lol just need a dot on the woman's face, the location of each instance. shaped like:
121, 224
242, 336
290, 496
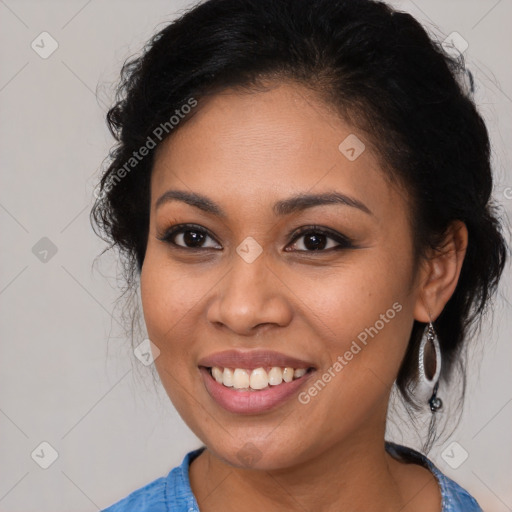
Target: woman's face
338, 298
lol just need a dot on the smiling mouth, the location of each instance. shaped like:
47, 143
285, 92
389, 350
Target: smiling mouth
258, 379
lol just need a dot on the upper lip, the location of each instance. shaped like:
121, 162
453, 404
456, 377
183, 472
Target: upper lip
252, 359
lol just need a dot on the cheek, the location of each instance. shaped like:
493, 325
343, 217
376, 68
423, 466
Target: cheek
362, 313
174, 297
167, 293
349, 297
166, 297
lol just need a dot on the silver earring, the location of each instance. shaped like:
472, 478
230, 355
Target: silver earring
428, 374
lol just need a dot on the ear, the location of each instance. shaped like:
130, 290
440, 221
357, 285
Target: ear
440, 273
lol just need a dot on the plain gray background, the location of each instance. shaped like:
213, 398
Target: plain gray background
111, 431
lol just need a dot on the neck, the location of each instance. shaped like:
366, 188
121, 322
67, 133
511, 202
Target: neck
356, 474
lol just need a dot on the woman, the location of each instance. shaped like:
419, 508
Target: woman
303, 189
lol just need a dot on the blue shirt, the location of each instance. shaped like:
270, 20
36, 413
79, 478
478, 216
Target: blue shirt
172, 493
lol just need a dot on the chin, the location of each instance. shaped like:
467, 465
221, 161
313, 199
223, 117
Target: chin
263, 455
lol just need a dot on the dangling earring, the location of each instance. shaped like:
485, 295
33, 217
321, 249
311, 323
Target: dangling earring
428, 374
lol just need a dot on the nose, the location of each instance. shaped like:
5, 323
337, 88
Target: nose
250, 297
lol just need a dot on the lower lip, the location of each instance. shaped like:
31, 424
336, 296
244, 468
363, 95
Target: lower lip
252, 402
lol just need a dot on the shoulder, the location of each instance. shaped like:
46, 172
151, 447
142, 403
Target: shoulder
149, 497
454, 497
171, 492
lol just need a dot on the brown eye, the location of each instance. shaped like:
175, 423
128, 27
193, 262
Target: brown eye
187, 236
320, 239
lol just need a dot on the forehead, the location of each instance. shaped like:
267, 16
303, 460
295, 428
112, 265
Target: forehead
268, 144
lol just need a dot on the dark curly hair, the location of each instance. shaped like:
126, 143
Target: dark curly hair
381, 71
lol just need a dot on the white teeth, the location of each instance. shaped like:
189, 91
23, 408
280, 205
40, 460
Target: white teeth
299, 372
259, 378
217, 374
240, 379
227, 378
275, 376
288, 374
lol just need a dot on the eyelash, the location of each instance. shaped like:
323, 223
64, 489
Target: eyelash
344, 241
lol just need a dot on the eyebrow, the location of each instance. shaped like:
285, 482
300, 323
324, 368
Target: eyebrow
287, 206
